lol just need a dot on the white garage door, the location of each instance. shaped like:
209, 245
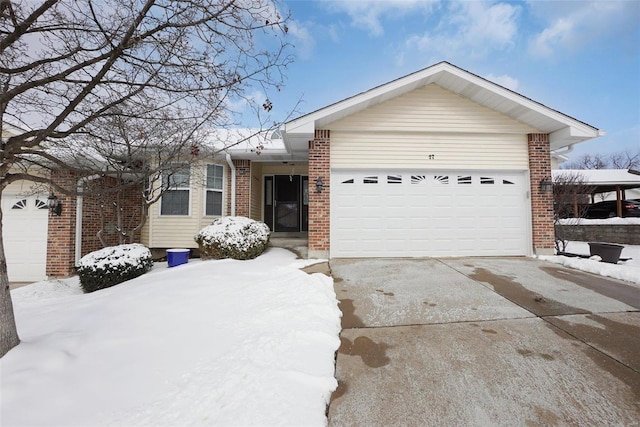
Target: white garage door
24, 233
417, 214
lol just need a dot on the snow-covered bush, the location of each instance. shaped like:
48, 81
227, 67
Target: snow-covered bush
110, 266
234, 237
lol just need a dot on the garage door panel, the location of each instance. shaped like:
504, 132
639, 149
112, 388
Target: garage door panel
25, 220
428, 214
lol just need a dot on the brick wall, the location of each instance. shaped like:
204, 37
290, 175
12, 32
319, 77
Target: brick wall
62, 229
626, 234
319, 208
130, 201
243, 187
541, 203
61, 239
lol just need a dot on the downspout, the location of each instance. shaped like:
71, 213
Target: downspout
79, 188
233, 184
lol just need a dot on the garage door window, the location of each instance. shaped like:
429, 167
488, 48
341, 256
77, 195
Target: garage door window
20, 204
486, 180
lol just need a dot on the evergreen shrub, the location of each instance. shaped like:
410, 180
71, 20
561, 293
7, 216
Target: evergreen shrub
234, 237
113, 265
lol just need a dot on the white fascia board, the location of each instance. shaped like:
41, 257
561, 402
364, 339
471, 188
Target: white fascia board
571, 135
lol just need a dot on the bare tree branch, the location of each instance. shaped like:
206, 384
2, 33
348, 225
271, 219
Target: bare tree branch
121, 92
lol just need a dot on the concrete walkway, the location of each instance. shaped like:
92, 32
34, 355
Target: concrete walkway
484, 341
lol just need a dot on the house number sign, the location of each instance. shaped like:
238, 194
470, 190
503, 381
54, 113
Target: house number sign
432, 156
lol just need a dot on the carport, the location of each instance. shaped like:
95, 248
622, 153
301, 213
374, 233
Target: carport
599, 181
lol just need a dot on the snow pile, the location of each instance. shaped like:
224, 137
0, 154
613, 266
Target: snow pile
131, 254
221, 342
234, 237
628, 271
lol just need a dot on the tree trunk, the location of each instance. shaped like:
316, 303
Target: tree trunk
8, 331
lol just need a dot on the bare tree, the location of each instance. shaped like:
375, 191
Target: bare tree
627, 159
571, 196
119, 89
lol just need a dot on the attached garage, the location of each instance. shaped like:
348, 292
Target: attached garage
391, 213
440, 162
24, 234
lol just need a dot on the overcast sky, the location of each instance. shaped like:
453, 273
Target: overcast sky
579, 57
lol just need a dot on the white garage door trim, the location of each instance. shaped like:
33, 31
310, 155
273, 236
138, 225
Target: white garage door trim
25, 224
389, 213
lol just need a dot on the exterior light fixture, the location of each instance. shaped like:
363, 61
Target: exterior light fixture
55, 205
319, 185
546, 185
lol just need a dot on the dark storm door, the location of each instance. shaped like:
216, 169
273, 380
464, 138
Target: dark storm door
286, 203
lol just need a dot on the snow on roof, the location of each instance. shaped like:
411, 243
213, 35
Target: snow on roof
601, 176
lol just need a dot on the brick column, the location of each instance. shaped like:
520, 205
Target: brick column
319, 208
243, 186
541, 203
61, 236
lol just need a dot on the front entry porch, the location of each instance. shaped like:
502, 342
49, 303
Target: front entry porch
286, 203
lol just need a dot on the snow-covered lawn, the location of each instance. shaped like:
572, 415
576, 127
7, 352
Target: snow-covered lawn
206, 343
628, 271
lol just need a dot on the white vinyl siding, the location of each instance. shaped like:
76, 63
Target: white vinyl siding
170, 231
429, 127
431, 109
437, 151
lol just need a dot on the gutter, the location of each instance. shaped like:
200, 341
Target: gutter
233, 184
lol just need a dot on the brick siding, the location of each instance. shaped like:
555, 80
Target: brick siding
131, 205
61, 239
61, 234
541, 203
319, 208
243, 187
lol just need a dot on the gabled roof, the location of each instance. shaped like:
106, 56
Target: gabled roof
563, 129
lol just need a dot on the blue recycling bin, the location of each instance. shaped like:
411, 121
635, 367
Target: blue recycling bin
177, 256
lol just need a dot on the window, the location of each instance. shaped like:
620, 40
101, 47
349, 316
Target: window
175, 200
214, 190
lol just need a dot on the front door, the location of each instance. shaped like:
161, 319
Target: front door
285, 203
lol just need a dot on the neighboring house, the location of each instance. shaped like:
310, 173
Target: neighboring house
440, 162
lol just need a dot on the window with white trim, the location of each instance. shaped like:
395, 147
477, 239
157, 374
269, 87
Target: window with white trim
213, 202
175, 200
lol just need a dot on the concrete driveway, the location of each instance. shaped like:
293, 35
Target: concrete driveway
484, 341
